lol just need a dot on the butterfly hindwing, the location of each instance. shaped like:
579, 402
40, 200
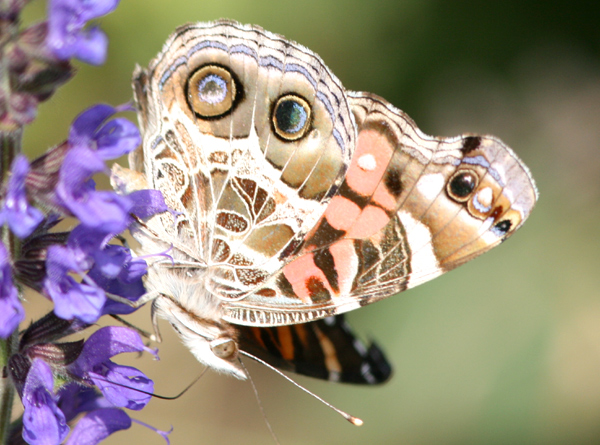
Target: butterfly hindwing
325, 349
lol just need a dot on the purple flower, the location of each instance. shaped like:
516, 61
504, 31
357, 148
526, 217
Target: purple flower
113, 139
96, 387
11, 310
43, 421
71, 298
103, 268
91, 144
118, 273
147, 203
123, 386
97, 425
66, 34
101, 418
16, 211
74, 399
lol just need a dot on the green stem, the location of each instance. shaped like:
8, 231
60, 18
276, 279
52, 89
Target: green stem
10, 146
7, 389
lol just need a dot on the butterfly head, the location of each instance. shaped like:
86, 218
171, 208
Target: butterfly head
214, 344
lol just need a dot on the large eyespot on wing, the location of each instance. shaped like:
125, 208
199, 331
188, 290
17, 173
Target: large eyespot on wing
211, 91
461, 185
291, 117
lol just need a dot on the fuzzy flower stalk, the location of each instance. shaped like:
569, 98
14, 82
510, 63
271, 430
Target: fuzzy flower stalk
71, 390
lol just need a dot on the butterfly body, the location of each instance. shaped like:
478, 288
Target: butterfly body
297, 200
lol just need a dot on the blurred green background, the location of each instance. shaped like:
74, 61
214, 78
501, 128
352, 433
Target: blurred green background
505, 349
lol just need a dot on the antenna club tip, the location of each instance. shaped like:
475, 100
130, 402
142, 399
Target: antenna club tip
355, 421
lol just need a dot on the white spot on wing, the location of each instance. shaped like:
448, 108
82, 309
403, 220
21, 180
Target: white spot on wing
423, 262
482, 200
367, 162
431, 185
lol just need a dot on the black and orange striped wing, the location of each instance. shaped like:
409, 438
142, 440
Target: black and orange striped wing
325, 349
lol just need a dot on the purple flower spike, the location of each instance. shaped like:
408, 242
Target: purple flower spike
97, 425
71, 299
43, 422
20, 216
11, 310
123, 386
66, 34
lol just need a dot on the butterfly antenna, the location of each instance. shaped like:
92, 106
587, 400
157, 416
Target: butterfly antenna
260, 406
352, 419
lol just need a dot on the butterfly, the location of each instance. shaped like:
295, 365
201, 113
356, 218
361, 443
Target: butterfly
296, 201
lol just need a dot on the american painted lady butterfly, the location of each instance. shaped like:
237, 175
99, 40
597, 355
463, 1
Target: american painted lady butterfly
297, 201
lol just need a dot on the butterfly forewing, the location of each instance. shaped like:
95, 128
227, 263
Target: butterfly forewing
411, 207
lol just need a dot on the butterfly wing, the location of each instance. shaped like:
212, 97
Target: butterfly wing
298, 200
245, 190
325, 349
411, 207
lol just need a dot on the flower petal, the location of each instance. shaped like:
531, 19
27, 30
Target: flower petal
76, 300
102, 210
43, 422
91, 46
97, 425
71, 299
73, 399
87, 123
84, 242
117, 138
147, 203
105, 343
20, 216
92, 9
118, 273
11, 309
123, 386
66, 34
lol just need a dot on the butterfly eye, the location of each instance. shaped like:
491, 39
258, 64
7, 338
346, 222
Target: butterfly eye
291, 117
225, 348
461, 185
211, 91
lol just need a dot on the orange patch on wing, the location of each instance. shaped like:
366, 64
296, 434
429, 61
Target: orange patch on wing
371, 220
301, 331
376, 147
301, 273
346, 264
286, 345
384, 198
341, 213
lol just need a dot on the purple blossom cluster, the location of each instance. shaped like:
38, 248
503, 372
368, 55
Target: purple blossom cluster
95, 388
72, 392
